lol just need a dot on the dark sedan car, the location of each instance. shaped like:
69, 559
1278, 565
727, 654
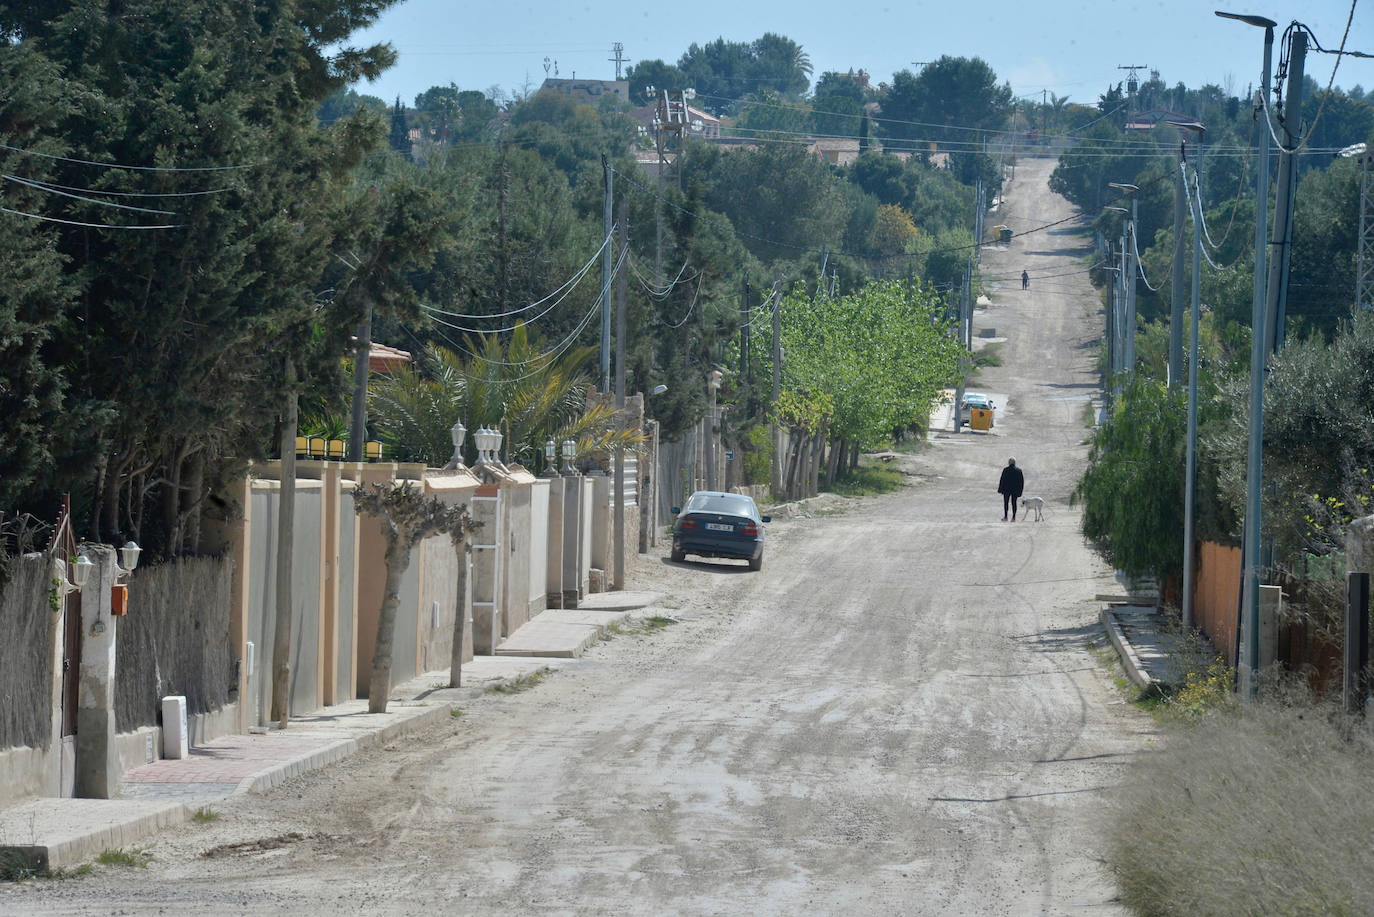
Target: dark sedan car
714, 524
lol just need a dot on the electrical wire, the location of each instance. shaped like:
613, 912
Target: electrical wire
109, 193
35, 216
547, 356
1334, 67
90, 200
567, 285
868, 255
116, 165
690, 306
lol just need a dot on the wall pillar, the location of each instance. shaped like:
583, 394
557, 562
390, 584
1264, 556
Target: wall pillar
98, 771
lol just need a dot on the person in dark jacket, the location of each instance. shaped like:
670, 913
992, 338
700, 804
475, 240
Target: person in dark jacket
1010, 487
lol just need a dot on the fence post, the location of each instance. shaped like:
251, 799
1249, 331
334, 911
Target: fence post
1356, 641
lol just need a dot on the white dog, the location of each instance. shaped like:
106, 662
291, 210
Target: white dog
1034, 503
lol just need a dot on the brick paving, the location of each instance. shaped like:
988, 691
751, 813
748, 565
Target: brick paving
225, 760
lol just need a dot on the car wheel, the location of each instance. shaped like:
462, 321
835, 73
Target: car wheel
756, 563
677, 555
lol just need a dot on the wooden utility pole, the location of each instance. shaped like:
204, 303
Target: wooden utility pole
618, 570
777, 383
286, 527
606, 229
1277, 289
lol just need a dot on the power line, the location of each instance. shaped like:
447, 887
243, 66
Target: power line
80, 197
35, 216
116, 165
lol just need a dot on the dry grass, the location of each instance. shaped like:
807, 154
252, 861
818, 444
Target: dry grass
1263, 809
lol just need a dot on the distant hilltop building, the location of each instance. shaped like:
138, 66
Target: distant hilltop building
589, 92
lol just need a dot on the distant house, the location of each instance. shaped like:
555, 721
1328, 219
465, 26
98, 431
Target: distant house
589, 92
838, 151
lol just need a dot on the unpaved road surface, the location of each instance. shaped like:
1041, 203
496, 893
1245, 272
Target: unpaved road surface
897, 715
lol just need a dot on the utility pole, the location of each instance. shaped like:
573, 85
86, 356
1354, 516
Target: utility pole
744, 337
606, 230
1254, 454
618, 571
1176, 287
1291, 121
777, 381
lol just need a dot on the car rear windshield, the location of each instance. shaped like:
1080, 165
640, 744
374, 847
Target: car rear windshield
733, 504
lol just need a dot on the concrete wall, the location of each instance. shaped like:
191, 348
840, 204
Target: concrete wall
519, 510
539, 546
307, 637
600, 553
439, 602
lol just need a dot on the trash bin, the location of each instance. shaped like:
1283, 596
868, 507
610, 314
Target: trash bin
980, 419
1004, 233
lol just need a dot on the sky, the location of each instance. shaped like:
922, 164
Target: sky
1069, 47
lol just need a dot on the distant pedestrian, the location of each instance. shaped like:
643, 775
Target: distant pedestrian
1010, 487
1025, 281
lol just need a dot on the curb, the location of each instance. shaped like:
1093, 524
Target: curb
1135, 671
337, 751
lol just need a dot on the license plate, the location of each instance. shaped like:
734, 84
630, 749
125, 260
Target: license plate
720, 527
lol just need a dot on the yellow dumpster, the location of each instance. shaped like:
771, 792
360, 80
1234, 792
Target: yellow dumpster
980, 419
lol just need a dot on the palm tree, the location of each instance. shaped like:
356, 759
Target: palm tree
528, 394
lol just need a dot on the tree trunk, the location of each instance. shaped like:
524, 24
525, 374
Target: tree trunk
460, 620
358, 430
286, 527
195, 502
397, 559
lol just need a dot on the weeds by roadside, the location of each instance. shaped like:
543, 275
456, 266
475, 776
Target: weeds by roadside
869, 480
205, 815
1243, 809
135, 857
988, 355
632, 626
517, 685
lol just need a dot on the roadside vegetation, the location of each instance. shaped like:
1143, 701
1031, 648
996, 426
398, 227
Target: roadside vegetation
1239, 808
1248, 810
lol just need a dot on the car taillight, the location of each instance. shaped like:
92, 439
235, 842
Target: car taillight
688, 523
749, 528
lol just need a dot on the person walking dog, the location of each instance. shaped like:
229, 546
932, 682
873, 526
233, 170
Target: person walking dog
1010, 487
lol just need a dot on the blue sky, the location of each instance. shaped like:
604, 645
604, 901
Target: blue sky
1069, 47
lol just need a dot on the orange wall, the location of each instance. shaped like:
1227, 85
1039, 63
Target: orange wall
1215, 596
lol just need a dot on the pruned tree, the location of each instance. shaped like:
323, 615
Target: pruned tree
407, 517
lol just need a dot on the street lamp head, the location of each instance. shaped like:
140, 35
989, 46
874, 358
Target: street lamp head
1123, 186
1192, 127
658, 389
1355, 149
1117, 209
1258, 22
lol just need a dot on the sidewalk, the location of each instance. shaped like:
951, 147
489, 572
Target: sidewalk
51, 834
1149, 649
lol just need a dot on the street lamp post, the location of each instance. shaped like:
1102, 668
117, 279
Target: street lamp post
1253, 453
1190, 478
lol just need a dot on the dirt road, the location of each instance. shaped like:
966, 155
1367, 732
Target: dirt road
897, 715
